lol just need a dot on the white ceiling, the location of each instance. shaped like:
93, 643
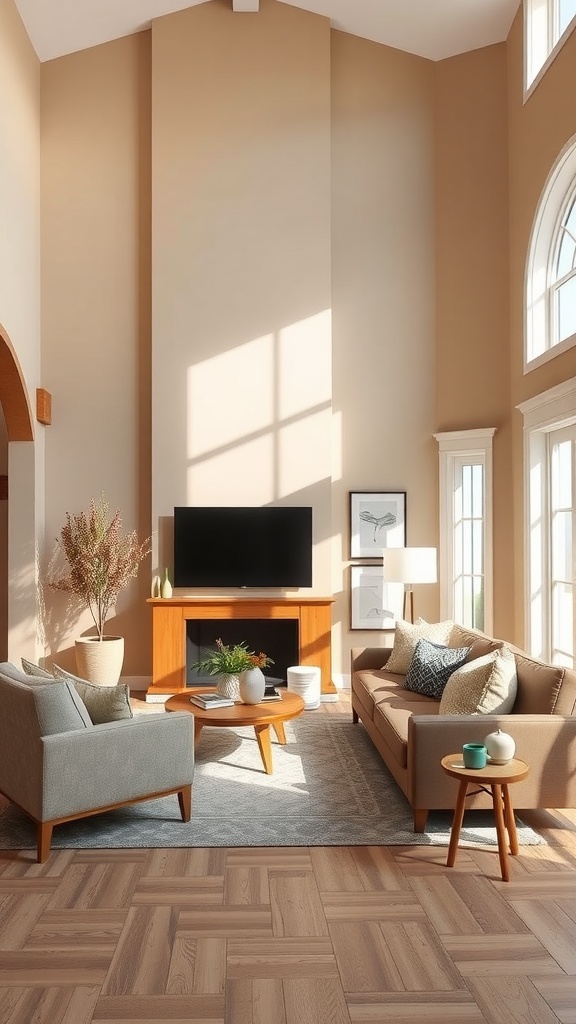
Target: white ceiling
429, 28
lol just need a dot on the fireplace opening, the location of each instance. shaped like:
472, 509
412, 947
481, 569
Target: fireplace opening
278, 638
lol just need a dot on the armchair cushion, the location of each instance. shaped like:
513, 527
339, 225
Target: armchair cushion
104, 703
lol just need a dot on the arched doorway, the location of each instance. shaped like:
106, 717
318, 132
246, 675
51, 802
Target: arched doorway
16, 425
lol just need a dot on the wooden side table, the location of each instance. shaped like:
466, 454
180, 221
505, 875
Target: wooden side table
496, 778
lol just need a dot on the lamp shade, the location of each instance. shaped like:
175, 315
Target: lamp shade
409, 565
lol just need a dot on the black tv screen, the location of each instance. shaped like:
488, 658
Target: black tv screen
269, 546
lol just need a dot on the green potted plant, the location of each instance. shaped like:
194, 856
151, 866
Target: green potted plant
100, 562
228, 662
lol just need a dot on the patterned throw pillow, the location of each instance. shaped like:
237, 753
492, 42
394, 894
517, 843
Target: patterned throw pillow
407, 635
431, 667
104, 703
484, 686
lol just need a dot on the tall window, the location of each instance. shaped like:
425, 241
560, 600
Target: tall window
550, 456
546, 25
466, 526
551, 266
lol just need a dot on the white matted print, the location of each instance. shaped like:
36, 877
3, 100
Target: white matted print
374, 604
377, 520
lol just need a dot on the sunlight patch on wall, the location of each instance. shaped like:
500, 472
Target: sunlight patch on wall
303, 450
230, 396
240, 475
305, 365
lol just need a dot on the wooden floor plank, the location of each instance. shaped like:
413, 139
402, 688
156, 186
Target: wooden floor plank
296, 905
554, 929
500, 955
560, 996
512, 999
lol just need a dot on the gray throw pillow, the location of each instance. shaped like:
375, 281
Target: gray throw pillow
431, 667
104, 703
35, 670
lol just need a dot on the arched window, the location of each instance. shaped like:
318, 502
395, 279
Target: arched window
547, 24
551, 266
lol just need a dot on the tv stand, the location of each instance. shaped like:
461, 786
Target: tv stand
169, 617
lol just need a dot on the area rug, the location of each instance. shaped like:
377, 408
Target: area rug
329, 788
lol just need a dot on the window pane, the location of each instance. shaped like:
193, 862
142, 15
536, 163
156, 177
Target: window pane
566, 309
566, 254
477, 490
562, 546
566, 11
466, 490
561, 476
477, 547
467, 546
478, 611
563, 624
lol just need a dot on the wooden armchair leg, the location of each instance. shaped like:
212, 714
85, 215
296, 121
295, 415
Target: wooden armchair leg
44, 837
354, 717
420, 819
185, 801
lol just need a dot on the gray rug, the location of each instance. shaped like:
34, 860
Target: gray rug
329, 788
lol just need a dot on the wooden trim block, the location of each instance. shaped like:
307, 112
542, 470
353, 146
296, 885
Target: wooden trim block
43, 406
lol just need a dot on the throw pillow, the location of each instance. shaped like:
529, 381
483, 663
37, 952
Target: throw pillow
34, 670
104, 703
407, 635
484, 686
431, 667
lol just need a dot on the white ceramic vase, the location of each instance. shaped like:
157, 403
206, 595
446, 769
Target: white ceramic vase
228, 686
100, 661
252, 685
166, 588
500, 747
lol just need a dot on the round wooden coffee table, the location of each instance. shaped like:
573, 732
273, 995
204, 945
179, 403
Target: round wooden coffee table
496, 778
261, 716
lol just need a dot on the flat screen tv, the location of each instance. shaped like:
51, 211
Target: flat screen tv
269, 546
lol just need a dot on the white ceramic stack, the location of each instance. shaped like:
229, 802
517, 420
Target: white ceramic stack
305, 680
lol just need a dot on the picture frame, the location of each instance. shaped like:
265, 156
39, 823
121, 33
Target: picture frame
374, 604
377, 520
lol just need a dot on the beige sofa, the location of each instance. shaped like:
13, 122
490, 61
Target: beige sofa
412, 737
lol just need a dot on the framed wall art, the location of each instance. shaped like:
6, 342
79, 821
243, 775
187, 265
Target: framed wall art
374, 604
377, 520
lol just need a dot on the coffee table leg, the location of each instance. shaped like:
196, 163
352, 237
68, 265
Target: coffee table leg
510, 821
279, 730
500, 830
457, 823
197, 730
263, 737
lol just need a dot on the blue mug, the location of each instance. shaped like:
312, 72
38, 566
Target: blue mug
474, 755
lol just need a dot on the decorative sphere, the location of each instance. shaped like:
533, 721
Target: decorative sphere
500, 746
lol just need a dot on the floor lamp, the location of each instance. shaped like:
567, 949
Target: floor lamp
409, 566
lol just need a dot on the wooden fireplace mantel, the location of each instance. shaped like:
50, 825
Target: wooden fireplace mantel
169, 617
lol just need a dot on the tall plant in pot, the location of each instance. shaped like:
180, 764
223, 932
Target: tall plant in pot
100, 562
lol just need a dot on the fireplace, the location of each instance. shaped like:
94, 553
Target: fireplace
278, 638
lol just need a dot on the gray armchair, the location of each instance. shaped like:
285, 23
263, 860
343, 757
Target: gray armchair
57, 766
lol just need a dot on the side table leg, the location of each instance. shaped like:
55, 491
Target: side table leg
500, 830
279, 730
510, 821
457, 823
263, 737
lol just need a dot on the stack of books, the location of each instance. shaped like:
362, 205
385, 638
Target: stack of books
211, 699
271, 693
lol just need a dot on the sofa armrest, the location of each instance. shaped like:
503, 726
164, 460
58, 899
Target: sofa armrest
115, 762
365, 658
546, 742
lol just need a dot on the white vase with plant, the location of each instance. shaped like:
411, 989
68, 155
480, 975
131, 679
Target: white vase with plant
227, 662
253, 680
100, 562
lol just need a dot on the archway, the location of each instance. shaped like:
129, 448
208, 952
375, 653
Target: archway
17, 600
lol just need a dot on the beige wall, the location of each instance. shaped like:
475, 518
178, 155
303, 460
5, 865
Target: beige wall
538, 131
96, 309
383, 300
473, 374
20, 313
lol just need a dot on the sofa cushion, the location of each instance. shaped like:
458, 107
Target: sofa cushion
407, 635
391, 721
484, 686
31, 669
543, 689
104, 703
431, 666
478, 643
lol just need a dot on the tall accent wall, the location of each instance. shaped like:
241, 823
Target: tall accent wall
472, 326
241, 372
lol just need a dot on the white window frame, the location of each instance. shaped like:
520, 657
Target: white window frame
542, 39
539, 319
547, 412
470, 447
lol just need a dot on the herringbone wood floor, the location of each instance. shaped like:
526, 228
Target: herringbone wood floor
291, 936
